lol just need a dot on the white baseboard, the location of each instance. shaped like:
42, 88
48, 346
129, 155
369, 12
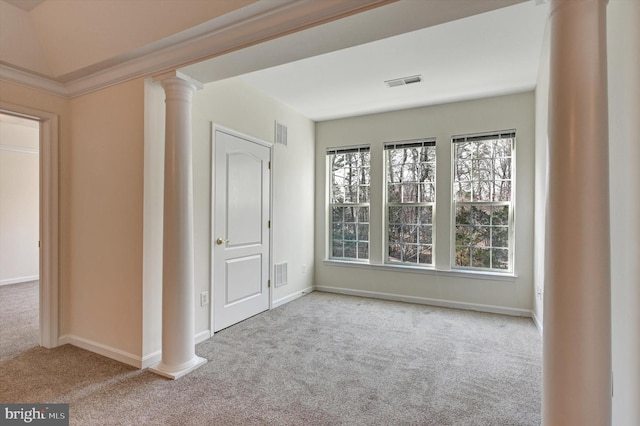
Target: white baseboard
19, 280
291, 297
427, 301
120, 355
100, 349
151, 359
202, 336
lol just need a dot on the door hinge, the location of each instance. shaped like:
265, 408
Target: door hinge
39, 244
269, 165
269, 224
269, 283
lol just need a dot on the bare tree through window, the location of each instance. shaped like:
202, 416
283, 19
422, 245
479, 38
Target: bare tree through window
349, 202
483, 200
411, 178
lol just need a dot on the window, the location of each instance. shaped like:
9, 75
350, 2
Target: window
349, 202
483, 201
411, 193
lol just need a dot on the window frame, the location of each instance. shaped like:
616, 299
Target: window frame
386, 204
330, 152
477, 137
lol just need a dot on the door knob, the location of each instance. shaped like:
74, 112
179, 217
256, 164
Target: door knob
221, 241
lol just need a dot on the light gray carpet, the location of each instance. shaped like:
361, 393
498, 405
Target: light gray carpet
19, 329
323, 359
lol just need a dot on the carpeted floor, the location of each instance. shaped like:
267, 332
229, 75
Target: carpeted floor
322, 359
19, 329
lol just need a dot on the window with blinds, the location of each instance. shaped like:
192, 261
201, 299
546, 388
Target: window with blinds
483, 186
410, 201
349, 175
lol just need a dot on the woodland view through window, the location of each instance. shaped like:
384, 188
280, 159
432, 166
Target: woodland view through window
349, 202
411, 196
481, 195
483, 201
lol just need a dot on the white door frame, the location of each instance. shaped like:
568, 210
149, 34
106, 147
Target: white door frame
218, 128
49, 296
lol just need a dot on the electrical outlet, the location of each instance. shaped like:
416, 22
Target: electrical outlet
304, 269
204, 298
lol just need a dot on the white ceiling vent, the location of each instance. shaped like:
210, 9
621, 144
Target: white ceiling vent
281, 133
404, 81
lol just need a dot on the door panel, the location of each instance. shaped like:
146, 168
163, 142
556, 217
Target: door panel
244, 190
243, 279
240, 229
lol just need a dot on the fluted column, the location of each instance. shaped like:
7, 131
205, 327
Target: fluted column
178, 322
577, 310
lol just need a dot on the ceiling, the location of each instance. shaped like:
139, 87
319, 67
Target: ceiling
488, 54
26, 5
325, 58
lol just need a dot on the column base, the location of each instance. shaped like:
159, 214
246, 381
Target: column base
176, 373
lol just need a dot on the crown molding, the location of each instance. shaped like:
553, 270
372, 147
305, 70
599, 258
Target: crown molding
24, 78
256, 23
20, 149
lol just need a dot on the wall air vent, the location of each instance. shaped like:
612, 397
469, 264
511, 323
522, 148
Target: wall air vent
280, 272
281, 133
403, 81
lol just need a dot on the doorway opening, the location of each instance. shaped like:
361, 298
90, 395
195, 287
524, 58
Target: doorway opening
19, 233
47, 217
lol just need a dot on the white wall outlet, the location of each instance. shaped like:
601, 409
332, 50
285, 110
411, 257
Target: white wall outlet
204, 298
304, 268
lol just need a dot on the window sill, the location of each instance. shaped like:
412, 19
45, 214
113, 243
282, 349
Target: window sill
460, 273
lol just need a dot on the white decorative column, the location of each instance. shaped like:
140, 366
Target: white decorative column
178, 322
577, 310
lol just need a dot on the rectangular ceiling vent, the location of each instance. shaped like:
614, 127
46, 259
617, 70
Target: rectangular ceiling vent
281, 133
403, 81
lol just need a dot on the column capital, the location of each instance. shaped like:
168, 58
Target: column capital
175, 74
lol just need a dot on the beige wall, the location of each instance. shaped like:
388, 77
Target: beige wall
105, 271
513, 295
19, 203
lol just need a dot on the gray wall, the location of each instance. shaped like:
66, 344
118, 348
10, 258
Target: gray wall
483, 291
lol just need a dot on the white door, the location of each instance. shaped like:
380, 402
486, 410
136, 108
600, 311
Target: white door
240, 235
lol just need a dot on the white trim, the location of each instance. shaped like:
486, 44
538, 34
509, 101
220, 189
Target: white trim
292, 297
120, 355
151, 359
244, 27
49, 256
427, 301
458, 273
214, 128
18, 280
177, 74
537, 322
100, 349
154, 128
203, 335
20, 149
23, 78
